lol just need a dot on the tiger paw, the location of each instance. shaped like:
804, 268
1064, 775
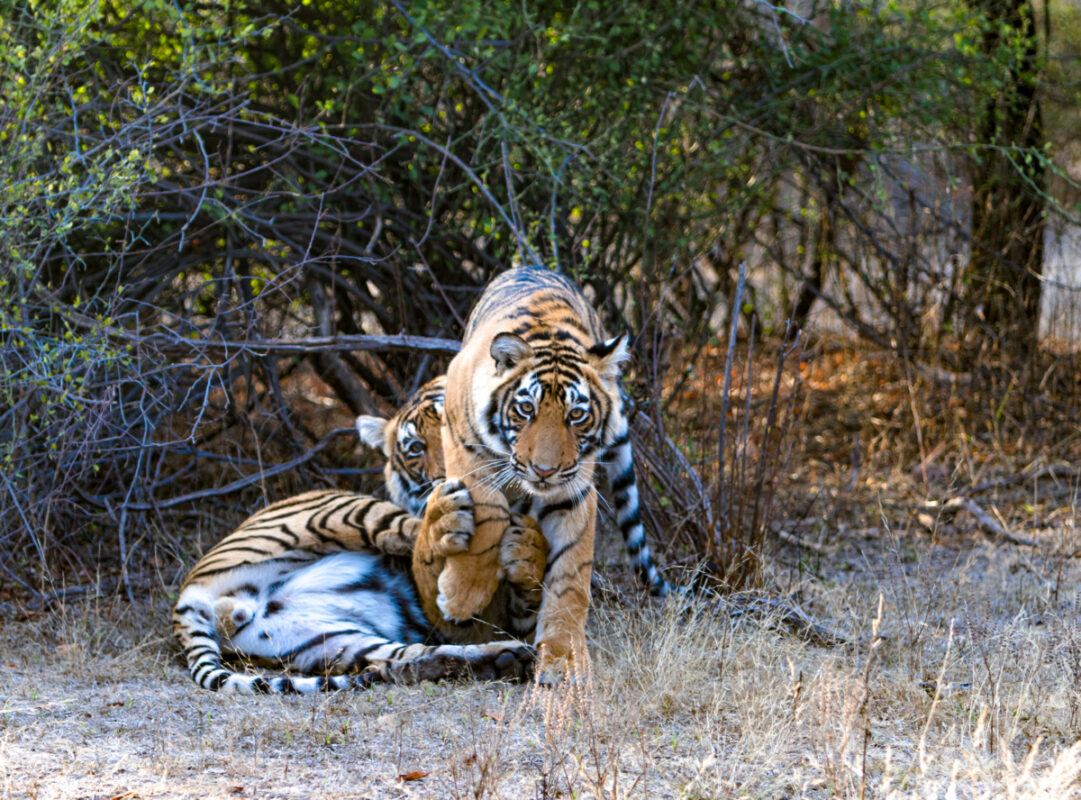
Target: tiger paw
449, 518
567, 667
230, 614
523, 553
514, 662
465, 590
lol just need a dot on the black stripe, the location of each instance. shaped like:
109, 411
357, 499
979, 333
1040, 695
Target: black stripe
625, 480
246, 588
384, 522
558, 554
316, 641
371, 582
563, 505
361, 656
619, 441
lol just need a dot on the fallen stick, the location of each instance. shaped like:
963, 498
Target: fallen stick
928, 513
792, 617
1045, 470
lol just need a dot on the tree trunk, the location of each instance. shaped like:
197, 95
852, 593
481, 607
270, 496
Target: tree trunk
1000, 305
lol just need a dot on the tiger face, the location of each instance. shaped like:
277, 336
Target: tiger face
551, 409
411, 441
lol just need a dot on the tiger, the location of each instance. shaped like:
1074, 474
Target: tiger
411, 442
321, 583
532, 405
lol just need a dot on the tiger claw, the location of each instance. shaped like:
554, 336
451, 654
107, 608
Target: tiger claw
523, 553
449, 514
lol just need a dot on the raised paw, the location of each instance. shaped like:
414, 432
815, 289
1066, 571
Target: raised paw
449, 518
464, 592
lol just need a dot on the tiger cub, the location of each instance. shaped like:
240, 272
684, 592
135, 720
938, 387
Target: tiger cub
532, 406
321, 583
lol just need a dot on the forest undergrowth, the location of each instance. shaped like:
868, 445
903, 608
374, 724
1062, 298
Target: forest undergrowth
944, 565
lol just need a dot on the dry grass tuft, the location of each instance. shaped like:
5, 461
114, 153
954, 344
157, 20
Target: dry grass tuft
968, 691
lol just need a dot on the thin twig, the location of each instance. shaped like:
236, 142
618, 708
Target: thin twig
235, 485
721, 508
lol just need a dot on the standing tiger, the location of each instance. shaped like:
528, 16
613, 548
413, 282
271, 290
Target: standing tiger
532, 406
321, 582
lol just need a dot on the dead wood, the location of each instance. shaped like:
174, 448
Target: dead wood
781, 613
930, 513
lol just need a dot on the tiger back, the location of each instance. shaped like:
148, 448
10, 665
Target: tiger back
532, 406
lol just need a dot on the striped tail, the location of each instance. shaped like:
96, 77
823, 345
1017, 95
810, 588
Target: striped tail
619, 460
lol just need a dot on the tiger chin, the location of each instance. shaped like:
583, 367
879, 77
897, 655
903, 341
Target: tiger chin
321, 583
532, 405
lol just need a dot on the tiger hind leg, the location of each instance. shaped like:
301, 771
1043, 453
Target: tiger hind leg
507, 660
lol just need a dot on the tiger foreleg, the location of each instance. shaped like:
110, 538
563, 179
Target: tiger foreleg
561, 622
507, 660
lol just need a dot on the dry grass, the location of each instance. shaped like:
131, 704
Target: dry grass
683, 702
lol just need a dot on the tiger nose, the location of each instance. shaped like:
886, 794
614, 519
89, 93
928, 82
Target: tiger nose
544, 472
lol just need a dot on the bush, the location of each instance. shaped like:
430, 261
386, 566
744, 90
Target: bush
203, 205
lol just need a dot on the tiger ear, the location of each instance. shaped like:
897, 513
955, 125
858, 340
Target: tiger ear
609, 357
373, 432
508, 349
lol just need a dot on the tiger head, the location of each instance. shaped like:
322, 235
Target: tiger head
413, 445
550, 409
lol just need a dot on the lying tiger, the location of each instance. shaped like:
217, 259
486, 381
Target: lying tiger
532, 407
321, 583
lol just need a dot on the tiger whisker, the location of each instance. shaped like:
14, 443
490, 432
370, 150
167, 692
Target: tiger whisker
484, 466
601, 499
